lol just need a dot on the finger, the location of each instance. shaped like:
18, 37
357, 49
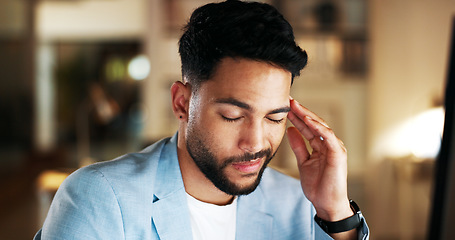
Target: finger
301, 111
318, 129
301, 126
317, 144
298, 145
342, 145
315, 141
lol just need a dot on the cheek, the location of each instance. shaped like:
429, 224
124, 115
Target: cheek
223, 137
214, 134
276, 135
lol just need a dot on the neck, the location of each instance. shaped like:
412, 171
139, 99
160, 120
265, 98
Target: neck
195, 182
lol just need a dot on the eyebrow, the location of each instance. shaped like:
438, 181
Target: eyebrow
235, 102
280, 110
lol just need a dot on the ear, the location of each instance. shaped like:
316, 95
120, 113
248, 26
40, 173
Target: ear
180, 94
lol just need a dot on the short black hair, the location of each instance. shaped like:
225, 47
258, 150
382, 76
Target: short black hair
234, 28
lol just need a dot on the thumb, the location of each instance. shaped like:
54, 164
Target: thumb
298, 145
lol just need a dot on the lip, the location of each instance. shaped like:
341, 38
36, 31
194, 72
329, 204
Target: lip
248, 167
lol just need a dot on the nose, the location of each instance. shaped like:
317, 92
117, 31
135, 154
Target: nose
252, 138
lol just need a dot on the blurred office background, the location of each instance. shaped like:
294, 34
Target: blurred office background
83, 81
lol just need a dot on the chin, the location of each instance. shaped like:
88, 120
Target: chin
244, 185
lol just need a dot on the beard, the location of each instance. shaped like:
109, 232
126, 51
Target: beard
213, 168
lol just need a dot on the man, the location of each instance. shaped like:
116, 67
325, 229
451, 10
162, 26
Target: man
210, 180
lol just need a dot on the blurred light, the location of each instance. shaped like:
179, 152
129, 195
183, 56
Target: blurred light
139, 67
428, 142
420, 135
50, 180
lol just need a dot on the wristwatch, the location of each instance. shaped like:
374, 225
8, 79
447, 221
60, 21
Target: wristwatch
343, 225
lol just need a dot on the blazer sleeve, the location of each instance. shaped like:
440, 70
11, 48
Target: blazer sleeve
84, 207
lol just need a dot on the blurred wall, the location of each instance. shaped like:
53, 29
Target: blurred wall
72, 20
409, 54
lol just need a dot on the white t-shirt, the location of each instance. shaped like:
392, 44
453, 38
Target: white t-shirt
210, 221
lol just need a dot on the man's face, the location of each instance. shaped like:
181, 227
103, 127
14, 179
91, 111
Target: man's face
236, 122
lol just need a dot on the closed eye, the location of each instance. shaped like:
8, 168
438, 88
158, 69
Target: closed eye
277, 121
230, 119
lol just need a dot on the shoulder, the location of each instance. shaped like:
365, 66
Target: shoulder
120, 179
131, 167
131, 163
97, 200
84, 200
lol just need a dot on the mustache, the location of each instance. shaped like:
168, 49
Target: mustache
267, 153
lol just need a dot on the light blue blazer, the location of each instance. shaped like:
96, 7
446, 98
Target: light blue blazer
141, 196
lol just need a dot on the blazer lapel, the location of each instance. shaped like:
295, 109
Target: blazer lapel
253, 222
170, 214
171, 218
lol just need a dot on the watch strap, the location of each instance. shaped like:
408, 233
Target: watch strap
342, 225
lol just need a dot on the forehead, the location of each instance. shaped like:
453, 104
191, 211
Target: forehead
249, 81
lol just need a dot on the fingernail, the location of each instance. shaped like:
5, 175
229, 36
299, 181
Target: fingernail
291, 98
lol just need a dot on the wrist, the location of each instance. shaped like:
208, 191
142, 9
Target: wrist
352, 222
336, 213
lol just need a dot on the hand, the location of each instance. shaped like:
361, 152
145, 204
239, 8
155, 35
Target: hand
323, 173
